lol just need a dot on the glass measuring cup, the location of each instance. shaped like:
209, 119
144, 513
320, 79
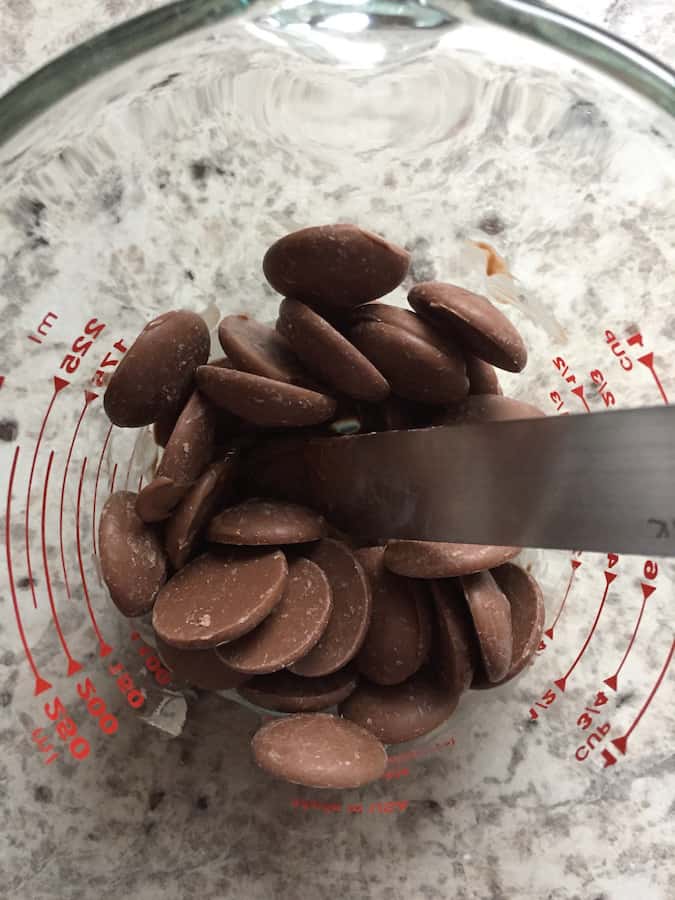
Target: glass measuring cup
160, 183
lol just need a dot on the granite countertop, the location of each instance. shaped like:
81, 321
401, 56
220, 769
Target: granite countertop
151, 818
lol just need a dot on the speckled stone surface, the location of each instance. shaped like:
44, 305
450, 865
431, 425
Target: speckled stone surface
121, 211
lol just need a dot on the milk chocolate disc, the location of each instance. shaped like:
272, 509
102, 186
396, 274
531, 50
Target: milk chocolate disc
227, 425
201, 668
156, 372
196, 509
156, 501
396, 643
491, 614
219, 598
319, 750
402, 712
264, 401
482, 376
473, 320
455, 650
406, 320
164, 426
416, 369
259, 349
329, 355
334, 266
285, 692
133, 562
352, 606
435, 559
425, 622
487, 408
266, 522
527, 619
292, 628
190, 447
397, 317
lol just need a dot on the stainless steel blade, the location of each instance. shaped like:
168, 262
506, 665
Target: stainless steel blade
602, 482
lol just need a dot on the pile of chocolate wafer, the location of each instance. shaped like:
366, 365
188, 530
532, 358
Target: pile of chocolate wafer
249, 587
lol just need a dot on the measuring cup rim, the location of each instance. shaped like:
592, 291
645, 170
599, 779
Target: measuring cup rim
624, 63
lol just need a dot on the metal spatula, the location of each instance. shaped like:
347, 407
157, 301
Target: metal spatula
604, 482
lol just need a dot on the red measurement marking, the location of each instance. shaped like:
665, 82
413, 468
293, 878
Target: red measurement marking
389, 806
558, 402
648, 362
625, 362
112, 480
89, 396
73, 665
594, 738
103, 648
66, 729
152, 661
561, 683
602, 387
97, 708
317, 805
549, 697
647, 591
43, 327
41, 684
398, 773
421, 753
41, 742
575, 563
621, 742
579, 392
81, 346
586, 719
59, 385
2, 380
126, 686
98, 476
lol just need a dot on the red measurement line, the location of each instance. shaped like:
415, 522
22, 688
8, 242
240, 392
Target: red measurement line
104, 649
41, 684
98, 475
561, 682
612, 680
579, 392
112, 480
88, 397
620, 742
73, 666
549, 631
59, 384
648, 362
